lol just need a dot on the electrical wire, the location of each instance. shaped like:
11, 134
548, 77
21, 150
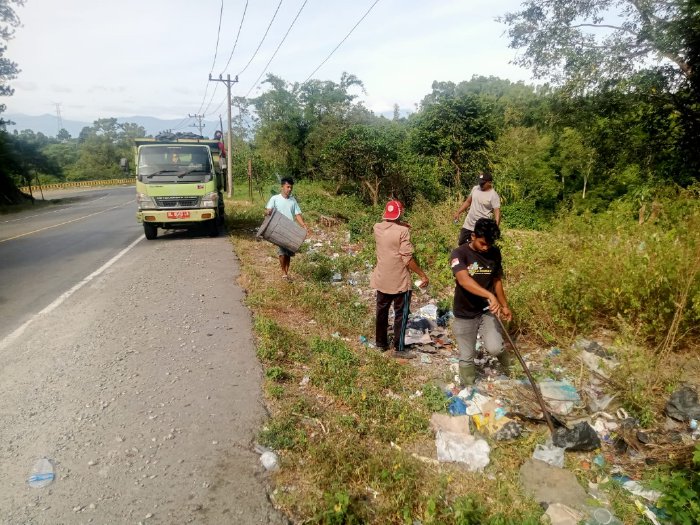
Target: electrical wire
278, 48
263, 38
245, 9
206, 86
341, 42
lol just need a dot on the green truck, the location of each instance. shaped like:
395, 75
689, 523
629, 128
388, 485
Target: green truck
179, 184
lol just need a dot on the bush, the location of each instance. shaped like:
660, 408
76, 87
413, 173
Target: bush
681, 494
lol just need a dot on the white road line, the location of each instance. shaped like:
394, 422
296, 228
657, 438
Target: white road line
67, 222
65, 295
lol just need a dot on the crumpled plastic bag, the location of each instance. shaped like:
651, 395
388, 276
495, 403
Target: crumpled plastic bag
582, 437
462, 448
550, 454
683, 405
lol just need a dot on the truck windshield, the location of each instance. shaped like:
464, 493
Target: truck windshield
174, 164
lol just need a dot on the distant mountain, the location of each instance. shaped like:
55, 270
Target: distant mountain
48, 125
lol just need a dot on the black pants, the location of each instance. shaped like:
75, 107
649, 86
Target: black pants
464, 236
402, 305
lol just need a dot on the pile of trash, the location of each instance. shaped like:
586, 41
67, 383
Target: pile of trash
589, 421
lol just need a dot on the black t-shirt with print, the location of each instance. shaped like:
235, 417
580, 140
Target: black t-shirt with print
483, 268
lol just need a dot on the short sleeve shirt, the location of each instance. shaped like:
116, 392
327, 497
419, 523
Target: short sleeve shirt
484, 268
483, 203
288, 207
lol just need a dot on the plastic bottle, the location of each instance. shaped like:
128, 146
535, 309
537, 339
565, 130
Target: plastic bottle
601, 516
42, 474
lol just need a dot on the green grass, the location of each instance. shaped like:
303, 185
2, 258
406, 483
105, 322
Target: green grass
347, 434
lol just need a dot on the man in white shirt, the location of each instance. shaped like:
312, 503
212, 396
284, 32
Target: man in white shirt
286, 204
482, 201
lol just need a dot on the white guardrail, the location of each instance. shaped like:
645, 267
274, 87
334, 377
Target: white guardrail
77, 184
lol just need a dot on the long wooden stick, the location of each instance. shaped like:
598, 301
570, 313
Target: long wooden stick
535, 388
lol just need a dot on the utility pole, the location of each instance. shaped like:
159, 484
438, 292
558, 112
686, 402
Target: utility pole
229, 148
199, 124
59, 120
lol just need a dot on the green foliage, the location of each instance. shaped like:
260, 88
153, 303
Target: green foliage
681, 493
593, 268
282, 434
338, 510
434, 398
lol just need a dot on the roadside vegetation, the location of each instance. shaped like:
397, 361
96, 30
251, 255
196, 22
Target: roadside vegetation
352, 435
598, 168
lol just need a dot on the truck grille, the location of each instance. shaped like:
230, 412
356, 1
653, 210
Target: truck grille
177, 202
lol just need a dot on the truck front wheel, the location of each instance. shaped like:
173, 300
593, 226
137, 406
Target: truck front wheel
150, 230
213, 227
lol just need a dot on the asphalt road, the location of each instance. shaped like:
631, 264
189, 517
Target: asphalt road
130, 365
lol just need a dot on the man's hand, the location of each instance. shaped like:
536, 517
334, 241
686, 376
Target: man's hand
268, 211
456, 217
494, 305
506, 313
424, 281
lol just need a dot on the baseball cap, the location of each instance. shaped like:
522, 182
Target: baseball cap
392, 210
485, 177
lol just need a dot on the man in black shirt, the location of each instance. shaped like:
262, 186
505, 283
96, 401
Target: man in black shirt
479, 297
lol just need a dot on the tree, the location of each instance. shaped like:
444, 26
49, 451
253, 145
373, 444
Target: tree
8, 71
592, 42
456, 130
366, 155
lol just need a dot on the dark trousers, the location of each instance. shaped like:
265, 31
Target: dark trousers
402, 305
464, 236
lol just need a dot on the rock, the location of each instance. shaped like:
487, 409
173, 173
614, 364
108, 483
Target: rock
551, 484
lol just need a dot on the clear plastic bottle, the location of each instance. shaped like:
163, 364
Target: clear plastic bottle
42, 474
601, 516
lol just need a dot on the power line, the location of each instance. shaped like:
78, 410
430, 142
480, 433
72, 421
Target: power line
245, 9
341, 42
263, 38
216, 53
278, 48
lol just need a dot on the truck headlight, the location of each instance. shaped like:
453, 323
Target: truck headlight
210, 200
144, 202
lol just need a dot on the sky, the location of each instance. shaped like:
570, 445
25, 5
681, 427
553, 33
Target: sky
107, 58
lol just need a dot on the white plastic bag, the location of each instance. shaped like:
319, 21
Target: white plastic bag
462, 448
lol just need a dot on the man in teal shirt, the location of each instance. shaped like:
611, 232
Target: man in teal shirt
287, 205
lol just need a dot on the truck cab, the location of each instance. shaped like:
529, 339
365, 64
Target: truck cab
179, 184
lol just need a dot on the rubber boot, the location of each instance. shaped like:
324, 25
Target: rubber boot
467, 374
505, 360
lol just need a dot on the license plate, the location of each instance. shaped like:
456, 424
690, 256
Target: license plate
178, 215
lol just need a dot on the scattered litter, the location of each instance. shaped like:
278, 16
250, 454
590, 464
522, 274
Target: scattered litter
553, 352
269, 460
461, 448
429, 311
601, 516
336, 278
457, 407
561, 396
637, 489
425, 359
511, 430
582, 437
304, 381
596, 363
560, 514
42, 474
414, 337
443, 320
550, 454
683, 405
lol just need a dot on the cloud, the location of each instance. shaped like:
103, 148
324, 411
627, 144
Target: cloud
61, 89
